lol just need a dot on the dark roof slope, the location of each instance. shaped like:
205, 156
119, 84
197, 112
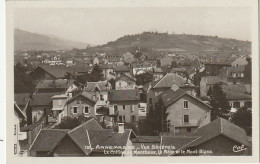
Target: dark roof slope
101, 85
124, 95
108, 137
170, 96
83, 94
21, 98
42, 99
47, 139
236, 92
171, 79
218, 127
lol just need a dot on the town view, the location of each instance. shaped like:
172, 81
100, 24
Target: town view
151, 93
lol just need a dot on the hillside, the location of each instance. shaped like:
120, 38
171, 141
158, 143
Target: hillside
24, 40
177, 42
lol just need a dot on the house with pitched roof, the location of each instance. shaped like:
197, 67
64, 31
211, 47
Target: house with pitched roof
125, 103
88, 139
185, 112
107, 69
238, 95
41, 105
122, 69
59, 85
241, 61
82, 103
216, 65
157, 73
220, 137
99, 90
164, 84
125, 82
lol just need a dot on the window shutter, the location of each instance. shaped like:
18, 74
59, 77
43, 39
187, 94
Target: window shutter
71, 110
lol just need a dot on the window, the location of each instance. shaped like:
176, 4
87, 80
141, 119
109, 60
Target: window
123, 118
132, 108
14, 129
186, 118
124, 107
236, 104
133, 118
186, 104
86, 109
75, 109
129, 83
101, 97
120, 118
15, 148
119, 84
115, 107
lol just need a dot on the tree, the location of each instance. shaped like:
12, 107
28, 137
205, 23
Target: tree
243, 119
219, 103
70, 123
248, 71
143, 78
113, 83
96, 73
23, 83
156, 120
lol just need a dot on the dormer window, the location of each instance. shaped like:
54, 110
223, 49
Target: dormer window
185, 104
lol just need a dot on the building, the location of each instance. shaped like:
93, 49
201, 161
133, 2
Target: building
185, 112
206, 82
239, 95
82, 104
107, 70
96, 61
19, 118
166, 61
235, 75
125, 82
99, 90
59, 85
157, 74
221, 138
128, 57
126, 103
88, 139
215, 66
120, 70
165, 83
241, 61
58, 104
41, 105
139, 68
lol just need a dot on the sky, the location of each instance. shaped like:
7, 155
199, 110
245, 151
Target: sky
100, 25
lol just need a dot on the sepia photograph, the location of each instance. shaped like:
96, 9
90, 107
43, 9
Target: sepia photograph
138, 81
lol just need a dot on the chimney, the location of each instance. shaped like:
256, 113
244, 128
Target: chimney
121, 128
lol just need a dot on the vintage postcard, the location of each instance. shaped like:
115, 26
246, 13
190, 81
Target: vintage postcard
132, 81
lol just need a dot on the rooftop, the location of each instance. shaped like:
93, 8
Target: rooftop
124, 95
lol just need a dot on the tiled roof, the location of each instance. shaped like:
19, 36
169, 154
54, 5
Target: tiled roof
108, 137
60, 71
84, 94
47, 139
42, 99
21, 98
171, 79
106, 66
236, 92
59, 83
124, 95
218, 127
178, 142
101, 85
122, 68
125, 76
170, 96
